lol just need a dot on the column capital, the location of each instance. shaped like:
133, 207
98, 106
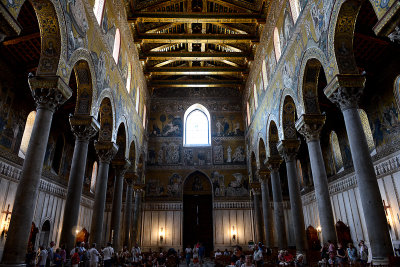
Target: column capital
345, 90
273, 163
106, 150
49, 92
121, 165
256, 188
83, 127
139, 187
264, 174
310, 126
131, 177
288, 149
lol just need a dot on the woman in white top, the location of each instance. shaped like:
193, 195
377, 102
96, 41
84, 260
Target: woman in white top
248, 262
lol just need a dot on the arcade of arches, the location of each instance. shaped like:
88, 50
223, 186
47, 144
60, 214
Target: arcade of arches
220, 121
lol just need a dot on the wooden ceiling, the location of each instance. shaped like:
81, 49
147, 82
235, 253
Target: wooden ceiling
196, 43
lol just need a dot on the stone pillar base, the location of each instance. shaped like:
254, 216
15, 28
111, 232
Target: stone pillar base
380, 261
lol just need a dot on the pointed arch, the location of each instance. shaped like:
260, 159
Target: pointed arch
295, 9
106, 120
98, 10
288, 118
132, 154
117, 46
30, 120
84, 84
336, 153
93, 177
121, 142
264, 74
277, 44
272, 139
262, 155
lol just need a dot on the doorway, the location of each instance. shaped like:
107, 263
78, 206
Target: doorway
197, 212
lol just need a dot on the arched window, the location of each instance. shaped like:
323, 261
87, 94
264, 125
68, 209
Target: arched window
197, 126
98, 9
45, 234
264, 74
277, 44
255, 97
129, 78
144, 117
248, 113
295, 9
27, 134
94, 177
336, 154
58, 152
300, 173
117, 46
367, 131
137, 99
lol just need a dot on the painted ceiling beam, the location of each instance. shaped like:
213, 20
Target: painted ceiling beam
195, 83
196, 38
196, 71
183, 17
194, 56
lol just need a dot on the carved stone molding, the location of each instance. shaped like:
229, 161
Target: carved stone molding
84, 127
49, 92
106, 150
345, 90
288, 149
310, 126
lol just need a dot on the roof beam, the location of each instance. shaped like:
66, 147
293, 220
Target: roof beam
196, 38
161, 28
195, 71
195, 83
193, 56
183, 17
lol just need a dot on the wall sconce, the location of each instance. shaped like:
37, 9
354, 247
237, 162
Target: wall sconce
233, 233
161, 234
6, 222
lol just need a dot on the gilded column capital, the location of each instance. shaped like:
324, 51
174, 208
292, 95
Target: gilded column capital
49, 92
106, 150
264, 174
310, 126
273, 163
84, 127
345, 90
288, 149
256, 188
121, 166
139, 187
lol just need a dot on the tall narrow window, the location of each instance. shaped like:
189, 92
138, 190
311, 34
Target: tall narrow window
94, 177
264, 74
144, 117
277, 44
129, 78
255, 97
337, 155
137, 99
300, 173
197, 126
248, 113
58, 153
367, 131
295, 9
27, 134
98, 9
117, 46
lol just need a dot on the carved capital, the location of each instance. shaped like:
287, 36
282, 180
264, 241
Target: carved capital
131, 177
256, 188
310, 126
345, 90
264, 174
139, 187
84, 127
273, 163
49, 92
288, 149
106, 150
121, 166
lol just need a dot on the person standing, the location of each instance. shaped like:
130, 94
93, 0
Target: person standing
50, 254
188, 252
57, 259
202, 252
352, 253
94, 256
42, 257
108, 253
258, 256
363, 253
136, 253
75, 259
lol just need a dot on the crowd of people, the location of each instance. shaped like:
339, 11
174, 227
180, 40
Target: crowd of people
338, 256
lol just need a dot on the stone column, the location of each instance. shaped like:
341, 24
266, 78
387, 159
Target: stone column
256, 189
120, 166
264, 175
310, 126
273, 164
345, 91
48, 93
288, 150
129, 178
106, 151
84, 127
136, 212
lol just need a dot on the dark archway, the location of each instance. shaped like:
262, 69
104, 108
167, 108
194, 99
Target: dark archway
197, 211
312, 238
